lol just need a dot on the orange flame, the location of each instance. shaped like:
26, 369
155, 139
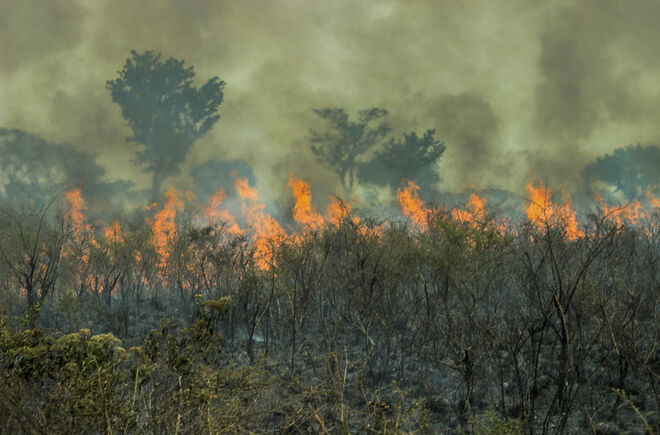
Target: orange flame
629, 213
163, 226
213, 214
542, 211
113, 233
653, 200
265, 228
303, 212
338, 210
77, 206
413, 207
475, 213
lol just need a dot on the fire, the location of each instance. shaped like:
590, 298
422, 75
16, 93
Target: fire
216, 199
245, 191
627, 214
338, 210
214, 214
265, 228
541, 211
413, 207
76, 209
303, 212
163, 226
113, 233
83, 238
653, 200
476, 211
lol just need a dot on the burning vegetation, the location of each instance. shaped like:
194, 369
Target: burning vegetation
402, 311
217, 311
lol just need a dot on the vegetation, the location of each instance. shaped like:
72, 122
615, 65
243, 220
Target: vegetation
339, 147
188, 319
165, 111
356, 326
413, 158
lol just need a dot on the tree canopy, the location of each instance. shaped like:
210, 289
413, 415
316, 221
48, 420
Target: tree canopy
632, 170
412, 157
166, 112
345, 140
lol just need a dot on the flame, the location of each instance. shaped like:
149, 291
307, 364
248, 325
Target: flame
266, 229
627, 214
84, 241
476, 211
541, 211
113, 233
245, 191
76, 209
653, 200
338, 210
190, 196
303, 212
163, 226
217, 198
213, 214
413, 207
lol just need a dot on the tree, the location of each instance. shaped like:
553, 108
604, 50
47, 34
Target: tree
340, 146
632, 170
165, 111
413, 157
31, 248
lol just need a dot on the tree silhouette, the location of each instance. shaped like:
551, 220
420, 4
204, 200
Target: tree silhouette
339, 147
413, 158
632, 169
165, 111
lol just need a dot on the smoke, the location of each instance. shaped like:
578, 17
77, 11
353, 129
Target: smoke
213, 174
468, 126
34, 29
632, 170
593, 56
514, 89
34, 171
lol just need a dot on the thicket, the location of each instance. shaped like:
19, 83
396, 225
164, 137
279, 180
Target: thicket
360, 327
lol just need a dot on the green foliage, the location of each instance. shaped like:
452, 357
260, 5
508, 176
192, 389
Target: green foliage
75, 378
84, 382
493, 424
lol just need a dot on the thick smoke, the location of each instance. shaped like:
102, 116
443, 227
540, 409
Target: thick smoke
33, 171
34, 30
515, 90
213, 174
588, 97
468, 126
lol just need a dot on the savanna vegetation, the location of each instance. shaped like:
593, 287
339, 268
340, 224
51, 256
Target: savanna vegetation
187, 318
353, 326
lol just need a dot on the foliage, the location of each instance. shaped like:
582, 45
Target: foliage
360, 326
411, 158
339, 147
632, 170
166, 112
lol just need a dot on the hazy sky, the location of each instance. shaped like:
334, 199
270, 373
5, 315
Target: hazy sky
515, 89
